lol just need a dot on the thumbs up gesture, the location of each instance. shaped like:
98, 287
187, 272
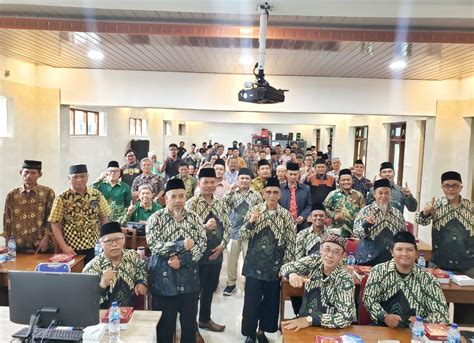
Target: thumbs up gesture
406, 190
131, 208
429, 207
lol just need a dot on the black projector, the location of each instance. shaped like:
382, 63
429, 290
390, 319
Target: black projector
262, 95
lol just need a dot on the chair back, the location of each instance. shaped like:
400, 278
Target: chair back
130, 238
352, 245
409, 227
363, 314
53, 267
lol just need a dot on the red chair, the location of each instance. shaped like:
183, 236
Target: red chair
352, 245
363, 314
409, 227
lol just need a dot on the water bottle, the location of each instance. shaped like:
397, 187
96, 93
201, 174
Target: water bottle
351, 260
421, 260
11, 249
114, 323
453, 334
97, 249
418, 330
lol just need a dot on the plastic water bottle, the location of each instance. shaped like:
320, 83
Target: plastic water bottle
453, 334
351, 261
114, 323
97, 249
11, 248
418, 330
421, 260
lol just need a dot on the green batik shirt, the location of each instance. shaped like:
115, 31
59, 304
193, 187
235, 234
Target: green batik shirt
376, 240
140, 214
308, 242
452, 234
417, 294
220, 236
165, 237
349, 204
239, 205
129, 273
271, 239
329, 300
118, 197
190, 184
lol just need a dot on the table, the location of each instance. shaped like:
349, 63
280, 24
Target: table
142, 327
370, 334
426, 249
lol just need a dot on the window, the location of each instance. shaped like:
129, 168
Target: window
360, 143
83, 122
397, 150
167, 128
330, 134
181, 129
138, 127
318, 139
3, 117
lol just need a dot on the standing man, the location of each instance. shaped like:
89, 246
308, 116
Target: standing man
296, 197
359, 182
335, 169
192, 157
131, 169
307, 168
239, 200
270, 231
148, 178
26, 211
177, 240
273, 162
343, 204
240, 160
190, 182
232, 172
181, 150
401, 196
212, 211
375, 226
281, 174
116, 192
222, 186
264, 172
171, 163
251, 161
77, 214
320, 183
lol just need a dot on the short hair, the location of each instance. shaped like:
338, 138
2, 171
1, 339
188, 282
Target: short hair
151, 153
281, 167
172, 145
231, 157
220, 146
129, 151
181, 142
299, 156
193, 144
335, 159
329, 145
144, 159
145, 186
183, 164
236, 149
202, 150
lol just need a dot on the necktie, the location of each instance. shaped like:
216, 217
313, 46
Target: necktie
293, 207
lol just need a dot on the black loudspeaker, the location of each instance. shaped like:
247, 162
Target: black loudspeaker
141, 148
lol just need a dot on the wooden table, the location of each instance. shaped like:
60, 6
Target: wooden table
370, 334
142, 327
426, 249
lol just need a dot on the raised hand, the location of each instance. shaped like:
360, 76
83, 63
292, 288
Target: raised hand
254, 216
406, 190
188, 244
131, 208
429, 207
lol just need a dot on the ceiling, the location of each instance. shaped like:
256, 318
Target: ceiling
322, 46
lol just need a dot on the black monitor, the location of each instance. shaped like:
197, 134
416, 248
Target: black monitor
72, 299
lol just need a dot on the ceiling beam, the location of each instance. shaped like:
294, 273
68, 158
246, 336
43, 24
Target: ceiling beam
224, 31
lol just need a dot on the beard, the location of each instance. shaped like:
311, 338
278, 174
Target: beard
383, 206
451, 197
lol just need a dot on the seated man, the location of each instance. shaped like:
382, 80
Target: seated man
398, 290
143, 209
328, 299
121, 271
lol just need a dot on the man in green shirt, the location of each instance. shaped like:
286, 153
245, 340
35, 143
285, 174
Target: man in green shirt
190, 182
116, 192
143, 209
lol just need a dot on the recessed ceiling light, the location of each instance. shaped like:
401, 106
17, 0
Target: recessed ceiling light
95, 55
246, 60
245, 31
399, 64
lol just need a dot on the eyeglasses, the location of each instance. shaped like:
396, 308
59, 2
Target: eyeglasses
272, 192
335, 252
453, 187
111, 241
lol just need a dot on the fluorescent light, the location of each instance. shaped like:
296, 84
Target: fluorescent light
245, 31
246, 60
398, 64
95, 55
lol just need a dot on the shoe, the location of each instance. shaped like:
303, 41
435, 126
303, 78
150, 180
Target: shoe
261, 338
199, 338
249, 339
229, 290
211, 326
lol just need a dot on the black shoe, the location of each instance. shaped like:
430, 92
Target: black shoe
261, 338
249, 339
229, 290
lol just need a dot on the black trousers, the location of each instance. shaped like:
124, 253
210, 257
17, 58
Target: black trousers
90, 254
296, 304
186, 306
208, 282
261, 306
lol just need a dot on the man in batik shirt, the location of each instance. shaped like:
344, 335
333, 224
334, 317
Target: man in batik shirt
131, 169
343, 204
375, 226
264, 171
328, 299
122, 273
359, 182
190, 181
26, 211
399, 290
148, 178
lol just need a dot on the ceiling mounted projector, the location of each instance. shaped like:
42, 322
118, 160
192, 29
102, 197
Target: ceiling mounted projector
260, 91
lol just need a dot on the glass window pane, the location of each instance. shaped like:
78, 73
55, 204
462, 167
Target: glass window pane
132, 126
92, 123
138, 127
80, 122
71, 122
396, 160
144, 127
398, 131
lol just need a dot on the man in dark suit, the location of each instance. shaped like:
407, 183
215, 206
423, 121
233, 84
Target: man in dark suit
296, 197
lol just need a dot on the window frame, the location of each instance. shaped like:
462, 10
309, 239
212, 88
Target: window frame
394, 140
138, 127
72, 122
363, 140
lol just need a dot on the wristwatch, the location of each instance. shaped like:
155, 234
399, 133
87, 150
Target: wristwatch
309, 319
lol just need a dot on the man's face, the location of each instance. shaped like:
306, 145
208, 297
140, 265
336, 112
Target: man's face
79, 181
220, 170
329, 149
264, 172
232, 163
383, 196
193, 148
278, 149
404, 254
451, 189
387, 174
175, 199
321, 169
293, 157
173, 151
181, 144
131, 158
30, 176
287, 151
273, 157
113, 244
145, 196
213, 159
236, 152
262, 155
267, 150
192, 170
336, 165
292, 176
331, 254
358, 170
345, 181
113, 174
183, 171
281, 174
207, 185
146, 167
244, 181
308, 161
252, 153
271, 195
220, 150
318, 218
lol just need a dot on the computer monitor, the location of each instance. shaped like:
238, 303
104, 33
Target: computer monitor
75, 296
